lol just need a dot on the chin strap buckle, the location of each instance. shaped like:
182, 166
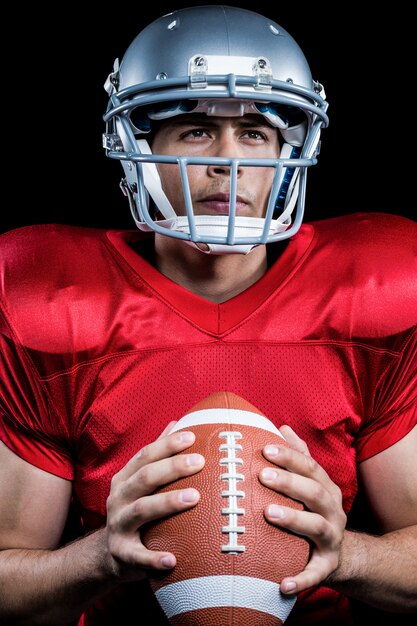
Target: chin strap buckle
112, 142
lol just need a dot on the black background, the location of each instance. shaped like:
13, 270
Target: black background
55, 170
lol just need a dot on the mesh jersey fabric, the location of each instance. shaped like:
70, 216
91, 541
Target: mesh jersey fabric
99, 351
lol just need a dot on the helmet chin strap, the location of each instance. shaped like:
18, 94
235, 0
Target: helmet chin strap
217, 226
221, 248
153, 184
211, 225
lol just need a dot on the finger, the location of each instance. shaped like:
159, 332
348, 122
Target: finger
164, 446
130, 518
168, 429
324, 538
293, 440
317, 570
313, 526
129, 551
124, 539
296, 462
151, 476
315, 496
151, 559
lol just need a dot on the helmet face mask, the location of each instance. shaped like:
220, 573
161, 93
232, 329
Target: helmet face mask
225, 62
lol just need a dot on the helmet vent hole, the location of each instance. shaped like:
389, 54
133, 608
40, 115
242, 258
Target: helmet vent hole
172, 25
273, 30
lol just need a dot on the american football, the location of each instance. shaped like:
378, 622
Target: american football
230, 560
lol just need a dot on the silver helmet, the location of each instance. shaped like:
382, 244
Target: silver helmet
219, 60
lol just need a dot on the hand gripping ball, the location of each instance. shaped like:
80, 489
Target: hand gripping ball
230, 560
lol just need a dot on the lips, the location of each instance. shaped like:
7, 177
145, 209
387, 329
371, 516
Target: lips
219, 203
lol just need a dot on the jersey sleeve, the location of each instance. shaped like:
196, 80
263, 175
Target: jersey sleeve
395, 404
28, 423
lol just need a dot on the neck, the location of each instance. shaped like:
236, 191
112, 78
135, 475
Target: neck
214, 277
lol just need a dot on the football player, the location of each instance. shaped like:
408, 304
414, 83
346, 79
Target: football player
107, 336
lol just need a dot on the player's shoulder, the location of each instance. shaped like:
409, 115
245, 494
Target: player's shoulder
361, 223
47, 246
35, 259
374, 257
44, 237
365, 235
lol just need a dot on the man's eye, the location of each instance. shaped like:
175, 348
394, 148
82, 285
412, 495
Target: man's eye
195, 132
255, 134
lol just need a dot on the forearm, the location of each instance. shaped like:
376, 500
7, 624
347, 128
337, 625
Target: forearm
39, 587
380, 570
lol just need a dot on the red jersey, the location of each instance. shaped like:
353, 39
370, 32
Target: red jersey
99, 351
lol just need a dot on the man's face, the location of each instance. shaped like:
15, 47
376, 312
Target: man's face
197, 134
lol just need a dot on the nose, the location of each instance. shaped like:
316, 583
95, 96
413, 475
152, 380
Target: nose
227, 147
222, 170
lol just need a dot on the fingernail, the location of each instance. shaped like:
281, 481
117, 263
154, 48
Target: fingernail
276, 511
194, 459
189, 495
271, 450
269, 474
289, 587
168, 561
186, 437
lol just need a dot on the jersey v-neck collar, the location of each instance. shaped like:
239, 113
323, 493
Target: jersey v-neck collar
215, 318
